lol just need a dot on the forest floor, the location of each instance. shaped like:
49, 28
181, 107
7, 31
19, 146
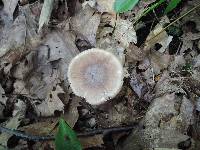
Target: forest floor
158, 106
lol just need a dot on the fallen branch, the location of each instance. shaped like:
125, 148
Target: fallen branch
26, 136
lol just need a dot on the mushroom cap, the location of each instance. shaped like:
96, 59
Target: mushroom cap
96, 75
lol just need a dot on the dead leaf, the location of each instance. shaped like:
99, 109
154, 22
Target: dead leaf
91, 141
19, 108
105, 6
9, 7
19, 38
135, 14
159, 61
188, 41
51, 103
45, 65
3, 98
168, 85
45, 13
91, 3
194, 16
112, 46
156, 36
45, 127
86, 23
116, 114
177, 63
24, 67
137, 83
198, 45
167, 116
134, 53
124, 32
197, 61
13, 123
71, 115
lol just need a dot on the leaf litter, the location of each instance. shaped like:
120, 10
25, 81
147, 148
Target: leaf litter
161, 88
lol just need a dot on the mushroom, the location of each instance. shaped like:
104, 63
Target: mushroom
95, 74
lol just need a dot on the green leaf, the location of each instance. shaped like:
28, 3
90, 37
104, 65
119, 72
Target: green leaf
66, 138
124, 5
147, 10
172, 4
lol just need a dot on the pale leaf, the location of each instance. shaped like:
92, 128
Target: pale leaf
45, 13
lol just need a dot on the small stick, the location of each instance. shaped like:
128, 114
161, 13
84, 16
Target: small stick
174, 22
51, 137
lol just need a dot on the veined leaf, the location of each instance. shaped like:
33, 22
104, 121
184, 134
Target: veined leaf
124, 5
172, 4
66, 138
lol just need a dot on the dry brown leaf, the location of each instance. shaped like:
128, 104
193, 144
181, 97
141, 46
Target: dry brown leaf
177, 64
91, 3
134, 53
86, 23
45, 13
18, 39
198, 45
71, 115
9, 7
137, 11
116, 114
52, 103
124, 32
3, 98
159, 61
167, 117
156, 36
105, 6
13, 123
45, 128
91, 141
197, 61
19, 108
188, 41
24, 67
194, 15
137, 84
45, 65
168, 85
112, 46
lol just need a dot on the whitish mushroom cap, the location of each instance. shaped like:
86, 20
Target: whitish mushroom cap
96, 75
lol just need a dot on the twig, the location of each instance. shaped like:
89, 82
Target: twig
26, 136
174, 22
